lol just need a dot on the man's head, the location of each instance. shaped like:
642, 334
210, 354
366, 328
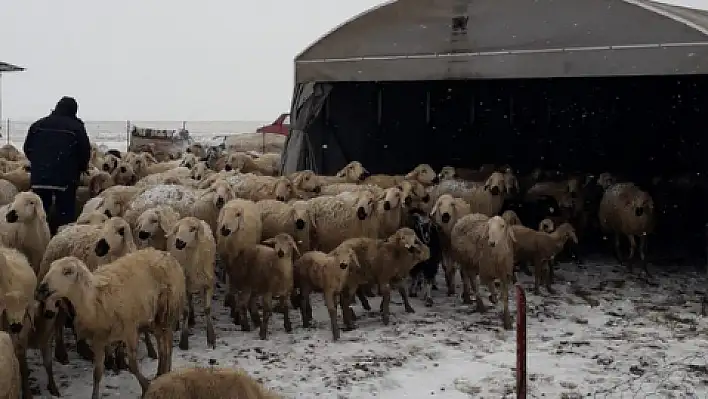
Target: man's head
67, 106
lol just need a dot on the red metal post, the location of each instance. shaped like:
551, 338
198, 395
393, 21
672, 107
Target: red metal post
520, 342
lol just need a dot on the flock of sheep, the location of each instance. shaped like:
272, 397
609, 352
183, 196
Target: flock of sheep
153, 232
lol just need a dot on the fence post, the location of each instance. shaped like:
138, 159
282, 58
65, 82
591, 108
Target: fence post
7, 131
127, 136
520, 342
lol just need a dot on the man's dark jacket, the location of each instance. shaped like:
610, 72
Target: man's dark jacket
58, 148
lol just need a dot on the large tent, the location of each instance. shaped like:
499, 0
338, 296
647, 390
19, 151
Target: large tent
545, 82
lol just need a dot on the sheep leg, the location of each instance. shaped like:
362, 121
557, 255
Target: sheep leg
49, 367
478, 296
466, 297
267, 310
286, 314
332, 309
449, 269
505, 299
305, 309
642, 253
618, 254
211, 335
253, 310
21, 354
131, 344
184, 334
548, 277
427, 292
243, 301
416, 282
539, 272
385, 303
191, 319
493, 294
347, 311
99, 353
152, 354
164, 349
363, 299
119, 356
59, 347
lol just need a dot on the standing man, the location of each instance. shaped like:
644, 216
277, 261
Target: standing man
58, 149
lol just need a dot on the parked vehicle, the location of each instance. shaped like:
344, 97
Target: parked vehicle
163, 144
279, 126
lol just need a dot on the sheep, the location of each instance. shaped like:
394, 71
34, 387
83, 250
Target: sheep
140, 163
328, 273
306, 184
144, 288
97, 183
486, 198
338, 188
389, 210
153, 226
162, 167
239, 226
11, 153
189, 161
424, 272
20, 178
25, 227
266, 271
540, 248
17, 284
95, 218
423, 174
177, 174
200, 171
207, 383
546, 226
293, 218
124, 174
445, 213
246, 164
267, 163
485, 249
192, 243
108, 163
511, 218
414, 194
343, 216
353, 172
8, 191
627, 210
9, 369
256, 188
211, 201
114, 201
181, 199
384, 262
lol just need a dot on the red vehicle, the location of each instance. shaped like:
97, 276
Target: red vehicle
279, 126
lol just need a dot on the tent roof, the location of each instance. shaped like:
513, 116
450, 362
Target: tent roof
462, 39
5, 67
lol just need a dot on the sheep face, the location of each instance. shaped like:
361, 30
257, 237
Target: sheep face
199, 171
406, 238
511, 218
605, 180
423, 173
92, 218
447, 173
641, 204
150, 222
391, 199
567, 232
14, 305
189, 161
124, 174
444, 210
110, 206
365, 204
495, 184
499, 231
110, 162
222, 193
307, 181
26, 207
237, 161
140, 162
511, 183
353, 172
283, 189
231, 218
99, 182
284, 246
346, 259
546, 226
114, 238
60, 281
301, 215
187, 232
413, 191
573, 187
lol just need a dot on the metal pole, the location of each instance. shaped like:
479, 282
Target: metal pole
8, 133
520, 342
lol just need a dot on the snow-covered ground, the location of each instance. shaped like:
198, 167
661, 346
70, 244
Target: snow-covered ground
604, 334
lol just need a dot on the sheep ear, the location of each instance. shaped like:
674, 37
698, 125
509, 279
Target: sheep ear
434, 210
296, 251
39, 210
269, 242
512, 235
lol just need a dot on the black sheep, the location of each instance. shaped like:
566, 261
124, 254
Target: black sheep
423, 274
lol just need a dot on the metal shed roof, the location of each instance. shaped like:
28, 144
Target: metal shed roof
462, 39
5, 67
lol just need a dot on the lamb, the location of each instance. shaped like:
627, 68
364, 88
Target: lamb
207, 383
511, 218
25, 227
327, 272
294, 219
9, 369
8, 191
192, 243
540, 248
144, 288
17, 284
445, 213
627, 210
256, 188
424, 272
383, 262
347, 215
153, 225
266, 271
485, 249
211, 201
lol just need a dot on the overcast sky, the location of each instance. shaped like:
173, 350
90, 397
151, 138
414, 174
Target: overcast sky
163, 60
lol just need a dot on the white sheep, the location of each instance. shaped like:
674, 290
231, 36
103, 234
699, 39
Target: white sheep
445, 213
306, 184
424, 174
153, 225
200, 171
293, 218
178, 173
486, 198
9, 369
92, 217
256, 188
338, 188
347, 215
316, 270
24, 227
207, 383
511, 218
144, 288
546, 225
266, 271
192, 243
485, 249
8, 191
627, 210
389, 211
